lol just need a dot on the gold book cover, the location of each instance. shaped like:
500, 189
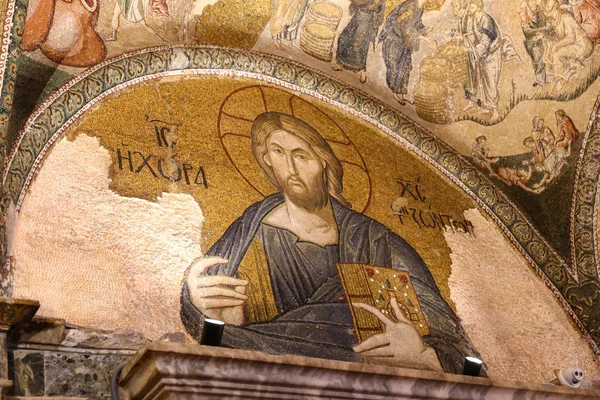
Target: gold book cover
376, 286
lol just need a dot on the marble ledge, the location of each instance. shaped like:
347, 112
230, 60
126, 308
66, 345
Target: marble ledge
5, 385
187, 371
16, 311
44, 398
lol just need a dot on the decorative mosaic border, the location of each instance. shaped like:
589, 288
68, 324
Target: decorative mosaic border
13, 25
584, 208
54, 115
7, 26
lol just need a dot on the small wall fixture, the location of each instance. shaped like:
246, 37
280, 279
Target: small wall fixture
212, 332
570, 377
472, 366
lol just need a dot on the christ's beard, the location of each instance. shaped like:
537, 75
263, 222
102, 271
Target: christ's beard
312, 197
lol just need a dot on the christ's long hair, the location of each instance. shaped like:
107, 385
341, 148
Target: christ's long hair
267, 123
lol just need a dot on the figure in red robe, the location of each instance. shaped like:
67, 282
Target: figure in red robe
79, 45
567, 132
587, 14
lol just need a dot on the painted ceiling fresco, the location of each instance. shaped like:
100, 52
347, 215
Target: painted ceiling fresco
540, 53
500, 97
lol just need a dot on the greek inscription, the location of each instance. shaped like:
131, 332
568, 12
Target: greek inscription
410, 188
161, 167
165, 132
423, 214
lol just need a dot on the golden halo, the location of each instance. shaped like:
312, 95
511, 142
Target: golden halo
242, 106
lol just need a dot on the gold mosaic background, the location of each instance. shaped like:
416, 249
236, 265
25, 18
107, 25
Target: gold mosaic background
122, 120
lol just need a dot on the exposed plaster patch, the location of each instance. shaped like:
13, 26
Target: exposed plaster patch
511, 317
96, 258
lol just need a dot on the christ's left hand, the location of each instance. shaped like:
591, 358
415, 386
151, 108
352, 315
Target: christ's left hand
400, 345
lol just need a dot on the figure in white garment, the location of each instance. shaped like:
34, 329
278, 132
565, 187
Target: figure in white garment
570, 46
487, 48
135, 11
285, 21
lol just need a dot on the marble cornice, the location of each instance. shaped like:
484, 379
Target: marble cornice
182, 371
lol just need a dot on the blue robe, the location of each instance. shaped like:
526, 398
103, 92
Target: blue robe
357, 36
400, 40
313, 319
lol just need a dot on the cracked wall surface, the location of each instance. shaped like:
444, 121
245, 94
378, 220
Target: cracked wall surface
508, 312
96, 258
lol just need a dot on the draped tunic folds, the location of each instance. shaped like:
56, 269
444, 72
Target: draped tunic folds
485, 60
313, 319
133, 10
570, 46
535, 29
400, 37
587, 14
287, 15
299, 269
567, 132
361, 31
136, 10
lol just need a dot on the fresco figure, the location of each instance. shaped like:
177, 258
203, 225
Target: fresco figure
135, 11
79, 45
536, 30
189, 18
567, 132
587, 14
516, 176
486, 48
459, 8
552, 167
272, 276
570, 45
401, 36
285, 21
481, 154
538, 154
358, 36
551, 164
543, 136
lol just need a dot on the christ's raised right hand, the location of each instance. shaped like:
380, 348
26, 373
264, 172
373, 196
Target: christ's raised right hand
217, 296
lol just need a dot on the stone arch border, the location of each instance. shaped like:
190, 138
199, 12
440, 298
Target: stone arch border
51, 118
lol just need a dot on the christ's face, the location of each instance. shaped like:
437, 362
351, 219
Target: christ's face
297, 169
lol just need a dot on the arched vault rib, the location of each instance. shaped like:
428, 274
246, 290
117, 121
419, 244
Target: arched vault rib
584, 233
